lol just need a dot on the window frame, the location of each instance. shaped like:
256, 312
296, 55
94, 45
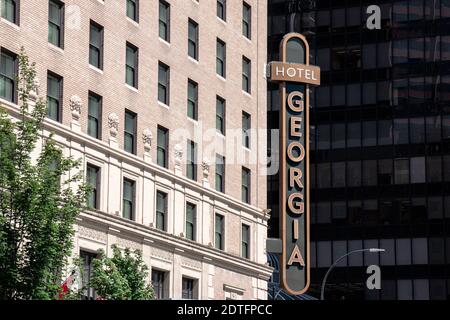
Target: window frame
221, 117
131, 201
247, 25
246, 129
164, 84
100, 49
59, 100
246, 172
135, 17
164, 214
135, 67
96, 188
164, 149
246, 75
221, 234
128, 133
221, 59
222, 6
61, 24
99, 118
245, 241
15, 11
192, 223
193, 42
192, 103
165, 24
14, 57
191, 152
220, 174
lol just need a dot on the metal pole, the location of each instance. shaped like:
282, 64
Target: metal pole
322, 290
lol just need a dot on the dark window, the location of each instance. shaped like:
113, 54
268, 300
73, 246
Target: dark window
95, 115
246, 127
220, 115
221, 57
188, 292
246, 184
56, 23
163, 83
54, 96
247, 21
193, 39
192, 100
10, 10
96, 45
220, 173
222, 9
133, 10
219, 230
86, 259
245, 250
159, 284
130, 132
191, 221
246, 75
131, 68
164, 20
8, 73
93, 180
129, 192
191, 158
163, 144
161, 211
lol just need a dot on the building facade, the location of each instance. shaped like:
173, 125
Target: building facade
380, 127
158, 99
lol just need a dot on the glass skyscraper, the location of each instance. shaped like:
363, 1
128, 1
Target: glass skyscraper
380, 143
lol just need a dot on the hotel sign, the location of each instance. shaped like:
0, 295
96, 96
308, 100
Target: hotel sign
294, 75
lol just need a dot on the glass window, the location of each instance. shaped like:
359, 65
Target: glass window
128, 199
191, 221
370, 173
401, 131
323, 175
323, 137
324, 254
353, 134
369, 56
369, 133
354, 173
246, 184
420, 251
447, 169
8, 73
220, 173
56, 23
404, 290
192, 100
193, 39
433, 127
130, 132
339, 211
384, 132
159, 284
434, 171
191, 159
247, 20
164, 20
355, 260
338, 97
418, 170
416, 90
369, 93
245, 249
10, 10
401, 171
220, 115
219, 230
400, 51
163, 83
323, 59
417, 130
323, 97
246, 75
415, 10
403, 250
338, 135
188, 288
96, 45
221, 58
323, 213
133, 10
222, 9
246, 128
385, 172
54, 96
87, 270
388, 257
162, 147
95, 115
161, 210
436, 250
338, 174
93, 180
400, 11
384, 55
131, 67
400, 92
354, 95
416, 50
435, 208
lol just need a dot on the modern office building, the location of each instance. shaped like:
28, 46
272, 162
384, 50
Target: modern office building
380, 125
157, 98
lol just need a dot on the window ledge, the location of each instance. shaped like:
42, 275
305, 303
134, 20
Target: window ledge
55, 48
11, 24
220, 135
161, 104
192, 59
136, 24
247, 94
221, 78
246, 149
131, 88
164, 42
247, 39
195, 122
221, 20
95, 69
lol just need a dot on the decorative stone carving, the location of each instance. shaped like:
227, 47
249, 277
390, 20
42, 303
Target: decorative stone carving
191, 264
147, 137
113, 122
126, 243
75, 104
92, 234
178, 154
205, 167
161, 255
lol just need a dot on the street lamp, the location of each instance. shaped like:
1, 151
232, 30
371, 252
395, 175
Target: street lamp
371, 250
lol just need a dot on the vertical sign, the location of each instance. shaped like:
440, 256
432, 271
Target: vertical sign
295, 75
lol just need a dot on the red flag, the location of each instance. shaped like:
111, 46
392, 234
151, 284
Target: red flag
65, 287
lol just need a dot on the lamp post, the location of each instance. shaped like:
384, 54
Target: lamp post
371, 250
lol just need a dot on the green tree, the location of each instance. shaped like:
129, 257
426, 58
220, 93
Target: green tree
122, 277
39, 199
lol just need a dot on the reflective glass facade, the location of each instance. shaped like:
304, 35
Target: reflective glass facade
380, 143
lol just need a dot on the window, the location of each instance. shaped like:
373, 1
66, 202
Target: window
159, 284
219, 230
220, 115
54, 96
128, 199
191, 165
130, 132
188, 292
93, 180
193, 39
246, 75
247, 21
246, 127
10, 10
8, 72
163, 144
220, 173
96, 45
192, 100
131, 68
221, 58
56, 23
86, 260
133, 10
164, 20
95, 115
246, 183
222, 9
191, 221
245, 250
161, 211
163, 83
